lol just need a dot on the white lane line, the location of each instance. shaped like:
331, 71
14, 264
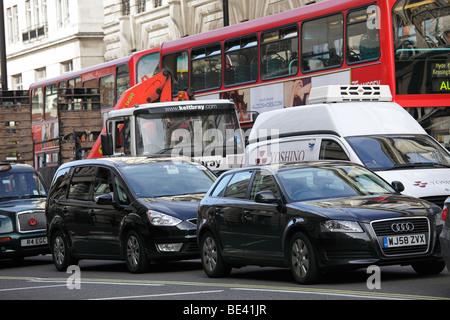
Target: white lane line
323, 293
27, 288
159, 295
106, 283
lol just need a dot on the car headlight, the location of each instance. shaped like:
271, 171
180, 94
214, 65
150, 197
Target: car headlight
341, 226
160, 219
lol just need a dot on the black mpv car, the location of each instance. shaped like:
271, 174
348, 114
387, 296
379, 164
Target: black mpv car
134, 209
312, 217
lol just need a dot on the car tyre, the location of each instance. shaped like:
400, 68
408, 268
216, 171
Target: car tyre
428, 267
303, 260
211, 257
62, 258
135, 255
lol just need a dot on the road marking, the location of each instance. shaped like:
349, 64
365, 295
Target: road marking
104, 283
299, 289
159, 295
352, 295
37, 287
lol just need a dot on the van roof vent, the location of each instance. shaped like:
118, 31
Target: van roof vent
338, 93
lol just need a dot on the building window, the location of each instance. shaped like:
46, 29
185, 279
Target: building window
17, 82
62, 13
125, 7
157, 3
41, 74
141, 5
66, 66
12, 17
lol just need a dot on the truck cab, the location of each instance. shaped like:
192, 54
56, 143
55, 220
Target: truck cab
206, 130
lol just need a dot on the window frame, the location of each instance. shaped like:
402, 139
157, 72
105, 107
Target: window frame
303, 41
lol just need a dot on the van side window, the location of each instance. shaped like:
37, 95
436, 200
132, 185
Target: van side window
331, 150
237, 188
263, 182
79, 188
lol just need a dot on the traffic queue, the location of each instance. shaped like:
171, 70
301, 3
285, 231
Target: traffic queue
335, 206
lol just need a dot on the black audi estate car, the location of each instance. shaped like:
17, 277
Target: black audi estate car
135, 209
314, 217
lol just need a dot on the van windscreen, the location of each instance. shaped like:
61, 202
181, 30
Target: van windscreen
384, 152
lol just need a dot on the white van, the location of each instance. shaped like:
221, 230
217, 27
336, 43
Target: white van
358, 124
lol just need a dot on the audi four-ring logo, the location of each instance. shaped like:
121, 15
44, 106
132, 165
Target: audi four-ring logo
402, 227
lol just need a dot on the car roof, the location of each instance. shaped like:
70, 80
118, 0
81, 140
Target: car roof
290, 165
126, 160
17, 167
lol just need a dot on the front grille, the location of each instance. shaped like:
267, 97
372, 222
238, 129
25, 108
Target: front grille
383, 228
31, 221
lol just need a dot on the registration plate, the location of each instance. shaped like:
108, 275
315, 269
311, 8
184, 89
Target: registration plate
404, 240
33, 242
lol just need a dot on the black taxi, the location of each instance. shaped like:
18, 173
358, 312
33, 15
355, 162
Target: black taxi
22, 212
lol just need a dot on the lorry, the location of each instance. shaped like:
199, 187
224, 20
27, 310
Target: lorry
359, 124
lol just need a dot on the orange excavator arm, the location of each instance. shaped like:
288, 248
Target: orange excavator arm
156, 88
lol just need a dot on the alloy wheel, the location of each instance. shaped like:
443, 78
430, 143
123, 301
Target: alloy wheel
59, 250
210, 254
300, 258
133, 251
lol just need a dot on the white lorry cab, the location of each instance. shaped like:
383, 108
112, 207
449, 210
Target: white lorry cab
359, 124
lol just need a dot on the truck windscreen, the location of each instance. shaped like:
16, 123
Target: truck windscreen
192, 133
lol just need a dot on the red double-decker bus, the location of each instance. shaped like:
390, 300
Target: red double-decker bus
272, 62
112, 78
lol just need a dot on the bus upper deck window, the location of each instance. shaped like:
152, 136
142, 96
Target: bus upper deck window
122, 79
279, 53
177, 64
206, 71
322, 41
37, 104
241, 60
363, 41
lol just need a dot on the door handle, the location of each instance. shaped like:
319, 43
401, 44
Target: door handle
64, 210
247, 215
91, 212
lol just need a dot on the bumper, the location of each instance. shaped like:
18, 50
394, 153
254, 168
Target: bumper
173, 243
17, 246
359, 250
444, 240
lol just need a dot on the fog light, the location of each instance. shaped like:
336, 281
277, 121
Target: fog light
170, 247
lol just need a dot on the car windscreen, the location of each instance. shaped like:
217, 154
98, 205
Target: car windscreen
20, 184
158, 179
399, 151
338, 181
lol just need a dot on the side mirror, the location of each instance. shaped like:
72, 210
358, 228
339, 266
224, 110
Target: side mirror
107, 144
398, 186
104, 199
266, 197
